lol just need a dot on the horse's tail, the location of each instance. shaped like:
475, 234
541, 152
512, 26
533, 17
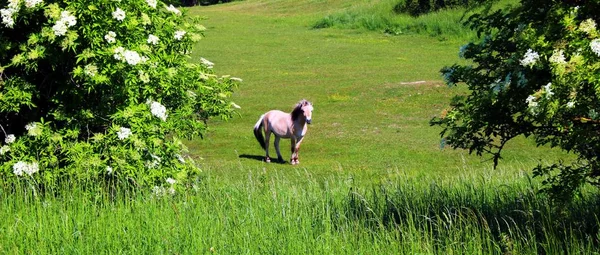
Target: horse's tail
258, 133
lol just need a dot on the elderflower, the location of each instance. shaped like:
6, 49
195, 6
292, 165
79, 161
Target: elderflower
530, 58
123, 133
548, 89
7, 16
531, 101
152, 39
588, 26
171, 181
110, 37
132, 57
595, 45
90, 70
158, 110
151, 3
66, 21
21, 168
4, 149
10, 139
33, 129
172, 9
570, 104
32, 3
558, 57
119, 14
118, 53
179, 35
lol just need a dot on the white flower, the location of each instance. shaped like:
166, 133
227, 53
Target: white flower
10, 139
172, 9
588, 26
159, 191
119, 53
530, 58
7, 16
32, 3
144, 77
21, 168
171, 191
109, 169
151, 3
110, 37
158, 110
207, 63
558, 57
531, 101
570, 104
60, 28
33, 129
119, 14
132, 57
595, 45
90, 70
236, 79
548, 89
4, 149
68, 19
123, 133
14, 4
171, 181
179, 34
152, 39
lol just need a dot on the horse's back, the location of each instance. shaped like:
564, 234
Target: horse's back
279, 122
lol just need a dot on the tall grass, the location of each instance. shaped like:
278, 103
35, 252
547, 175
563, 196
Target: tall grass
298, 213
380, 16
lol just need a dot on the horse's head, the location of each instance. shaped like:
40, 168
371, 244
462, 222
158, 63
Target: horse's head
307, 109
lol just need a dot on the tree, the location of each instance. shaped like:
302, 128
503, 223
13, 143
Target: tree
535, 73
102, 90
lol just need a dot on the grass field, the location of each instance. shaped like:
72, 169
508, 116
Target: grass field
372, 178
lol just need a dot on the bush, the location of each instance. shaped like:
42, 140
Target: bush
102, 90
535, 73
418, 7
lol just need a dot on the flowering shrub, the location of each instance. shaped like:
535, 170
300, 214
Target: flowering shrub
102, 90
535, 73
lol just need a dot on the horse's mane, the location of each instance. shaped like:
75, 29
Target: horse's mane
298, 109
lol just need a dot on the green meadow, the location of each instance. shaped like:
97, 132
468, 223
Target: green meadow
373, 178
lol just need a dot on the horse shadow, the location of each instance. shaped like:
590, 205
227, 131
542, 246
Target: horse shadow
262, 158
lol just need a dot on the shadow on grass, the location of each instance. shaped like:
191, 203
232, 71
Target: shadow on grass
262, 158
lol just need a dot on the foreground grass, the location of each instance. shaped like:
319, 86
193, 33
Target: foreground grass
298, 213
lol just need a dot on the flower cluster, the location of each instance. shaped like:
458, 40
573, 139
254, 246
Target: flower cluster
8, 13
558, 57
66, 21
173, 9
530, 58
90, 70
588, 26
119, 14
33, 129
10, 139
123, 133
110, 37
129, 56
32, 3
179, 35
21, 168
207, 63
595, 46
151, 3
158, 110
152, 39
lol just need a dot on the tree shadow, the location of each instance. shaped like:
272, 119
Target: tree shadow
262, 158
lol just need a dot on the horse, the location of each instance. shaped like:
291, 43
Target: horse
284, 125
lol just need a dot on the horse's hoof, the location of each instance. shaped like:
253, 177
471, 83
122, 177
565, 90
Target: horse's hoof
268, 160
280, 160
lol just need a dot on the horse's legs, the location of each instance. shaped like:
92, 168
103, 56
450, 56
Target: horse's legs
279, 157
293, 142
267, 138
296, 150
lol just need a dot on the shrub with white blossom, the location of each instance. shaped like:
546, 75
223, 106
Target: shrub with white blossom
536, 72
103, 89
